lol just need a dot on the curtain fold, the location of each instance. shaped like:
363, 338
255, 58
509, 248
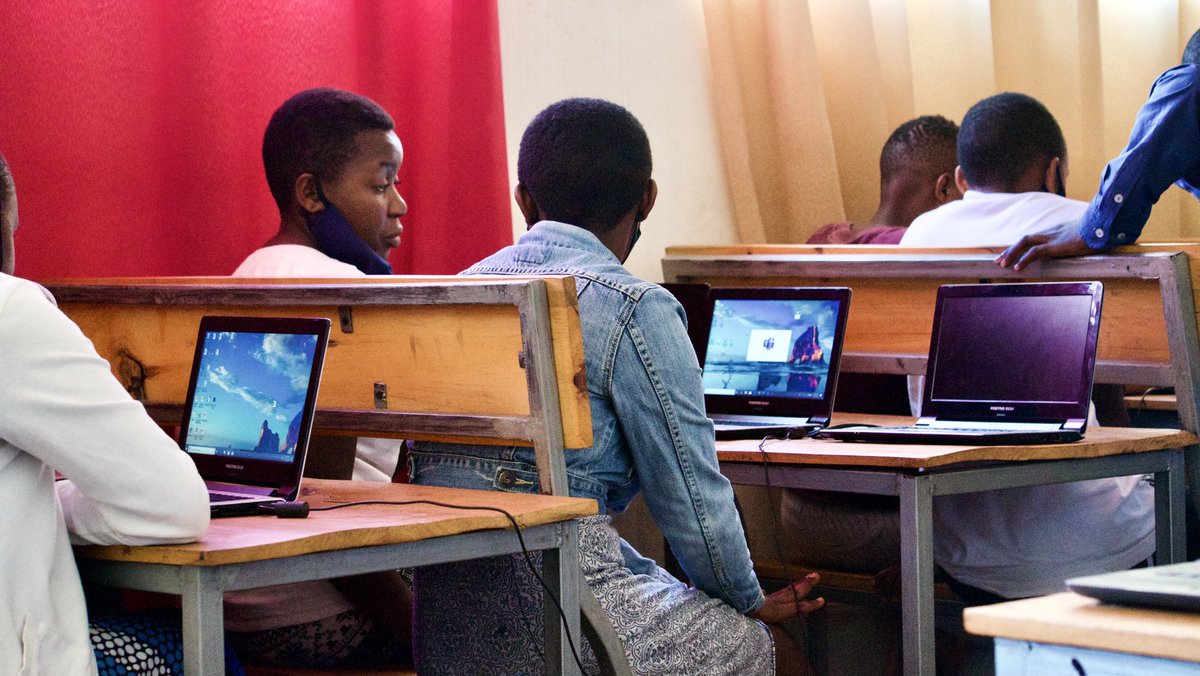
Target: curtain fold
803, 118
134, 129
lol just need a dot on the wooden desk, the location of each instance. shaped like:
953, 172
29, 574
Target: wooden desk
1071, 634
917, 473
249, 552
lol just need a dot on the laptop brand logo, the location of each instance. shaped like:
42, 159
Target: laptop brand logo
230, 465
1002, 408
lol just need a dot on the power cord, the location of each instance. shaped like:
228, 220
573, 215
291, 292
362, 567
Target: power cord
301, 509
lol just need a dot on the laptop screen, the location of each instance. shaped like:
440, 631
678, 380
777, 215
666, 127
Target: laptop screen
252, 395
774, 351
249, 400
1013, 351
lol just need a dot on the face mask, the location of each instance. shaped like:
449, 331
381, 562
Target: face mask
335, 237
637, 234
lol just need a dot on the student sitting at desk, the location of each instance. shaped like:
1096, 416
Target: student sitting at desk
126, 482
916, 174
584, 189
1025, 541
331, 159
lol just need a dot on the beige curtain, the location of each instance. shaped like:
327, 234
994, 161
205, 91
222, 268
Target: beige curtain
806, 91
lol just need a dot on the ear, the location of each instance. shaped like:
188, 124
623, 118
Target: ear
529, 208
960, 180
646, 204
945, 189
305, 192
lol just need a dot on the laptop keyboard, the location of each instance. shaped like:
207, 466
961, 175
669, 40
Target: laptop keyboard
225, 497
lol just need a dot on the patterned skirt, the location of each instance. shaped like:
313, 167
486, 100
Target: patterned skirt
484, 617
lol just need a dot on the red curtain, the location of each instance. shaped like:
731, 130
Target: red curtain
134, 129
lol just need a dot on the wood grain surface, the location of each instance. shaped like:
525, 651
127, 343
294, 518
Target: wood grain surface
253, 538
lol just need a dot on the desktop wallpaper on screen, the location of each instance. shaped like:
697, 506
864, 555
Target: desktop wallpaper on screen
250, 395
770, 347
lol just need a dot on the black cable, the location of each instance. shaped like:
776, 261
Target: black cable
520, 539
774, 508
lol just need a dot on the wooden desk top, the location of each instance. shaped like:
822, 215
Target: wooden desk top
1098, 441
253, 538
1074, 620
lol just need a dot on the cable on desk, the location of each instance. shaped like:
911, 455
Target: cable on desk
520, 539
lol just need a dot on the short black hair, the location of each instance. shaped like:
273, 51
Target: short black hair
585, 162
925, 142
1191, 53
1002, 136
314, 132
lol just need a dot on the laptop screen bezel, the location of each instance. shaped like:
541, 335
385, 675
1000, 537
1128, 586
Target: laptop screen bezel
1032, 412
789, 407
284, 477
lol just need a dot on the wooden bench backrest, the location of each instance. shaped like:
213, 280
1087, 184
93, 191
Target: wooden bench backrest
484, 360
1148, 331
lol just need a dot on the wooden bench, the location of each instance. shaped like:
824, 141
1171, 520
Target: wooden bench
1148, 332
480, 360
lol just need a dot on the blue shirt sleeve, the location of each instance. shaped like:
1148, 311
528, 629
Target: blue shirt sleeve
1164, 148
659, 400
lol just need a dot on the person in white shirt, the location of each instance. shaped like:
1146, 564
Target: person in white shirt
1024, 542
1012, 167
124, 480
331, 159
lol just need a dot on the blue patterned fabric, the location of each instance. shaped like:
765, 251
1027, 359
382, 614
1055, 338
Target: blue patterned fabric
147, 644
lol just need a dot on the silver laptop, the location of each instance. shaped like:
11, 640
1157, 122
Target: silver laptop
1172, 586
250, 406
771, 358
1008, 364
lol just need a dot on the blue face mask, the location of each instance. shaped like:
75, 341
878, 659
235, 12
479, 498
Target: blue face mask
335, 237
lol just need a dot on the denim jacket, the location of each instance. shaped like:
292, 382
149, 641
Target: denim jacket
650, 431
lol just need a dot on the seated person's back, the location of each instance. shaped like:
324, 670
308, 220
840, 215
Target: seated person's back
1025, 541
585, 187
126, 482
916, 174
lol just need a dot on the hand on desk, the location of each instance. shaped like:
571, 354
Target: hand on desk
781, 605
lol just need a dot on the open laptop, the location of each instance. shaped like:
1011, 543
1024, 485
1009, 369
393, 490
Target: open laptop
250, 404
1008, 364
771, 359
1171, 586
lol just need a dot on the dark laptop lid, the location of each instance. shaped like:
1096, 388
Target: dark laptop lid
698, 309
251, 399
774, 351
1013, 352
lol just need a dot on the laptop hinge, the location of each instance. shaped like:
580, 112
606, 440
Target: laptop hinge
819, 421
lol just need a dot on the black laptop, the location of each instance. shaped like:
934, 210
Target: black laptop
1171, 586
771, 358
250, 405
1008, 364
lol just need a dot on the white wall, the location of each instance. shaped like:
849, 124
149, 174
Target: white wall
651, 58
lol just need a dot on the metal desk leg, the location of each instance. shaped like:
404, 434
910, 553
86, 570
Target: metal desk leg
203, 622
1170, 512
560, 570
916, 573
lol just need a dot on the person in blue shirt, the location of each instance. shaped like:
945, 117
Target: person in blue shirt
584, 188
1163, 149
